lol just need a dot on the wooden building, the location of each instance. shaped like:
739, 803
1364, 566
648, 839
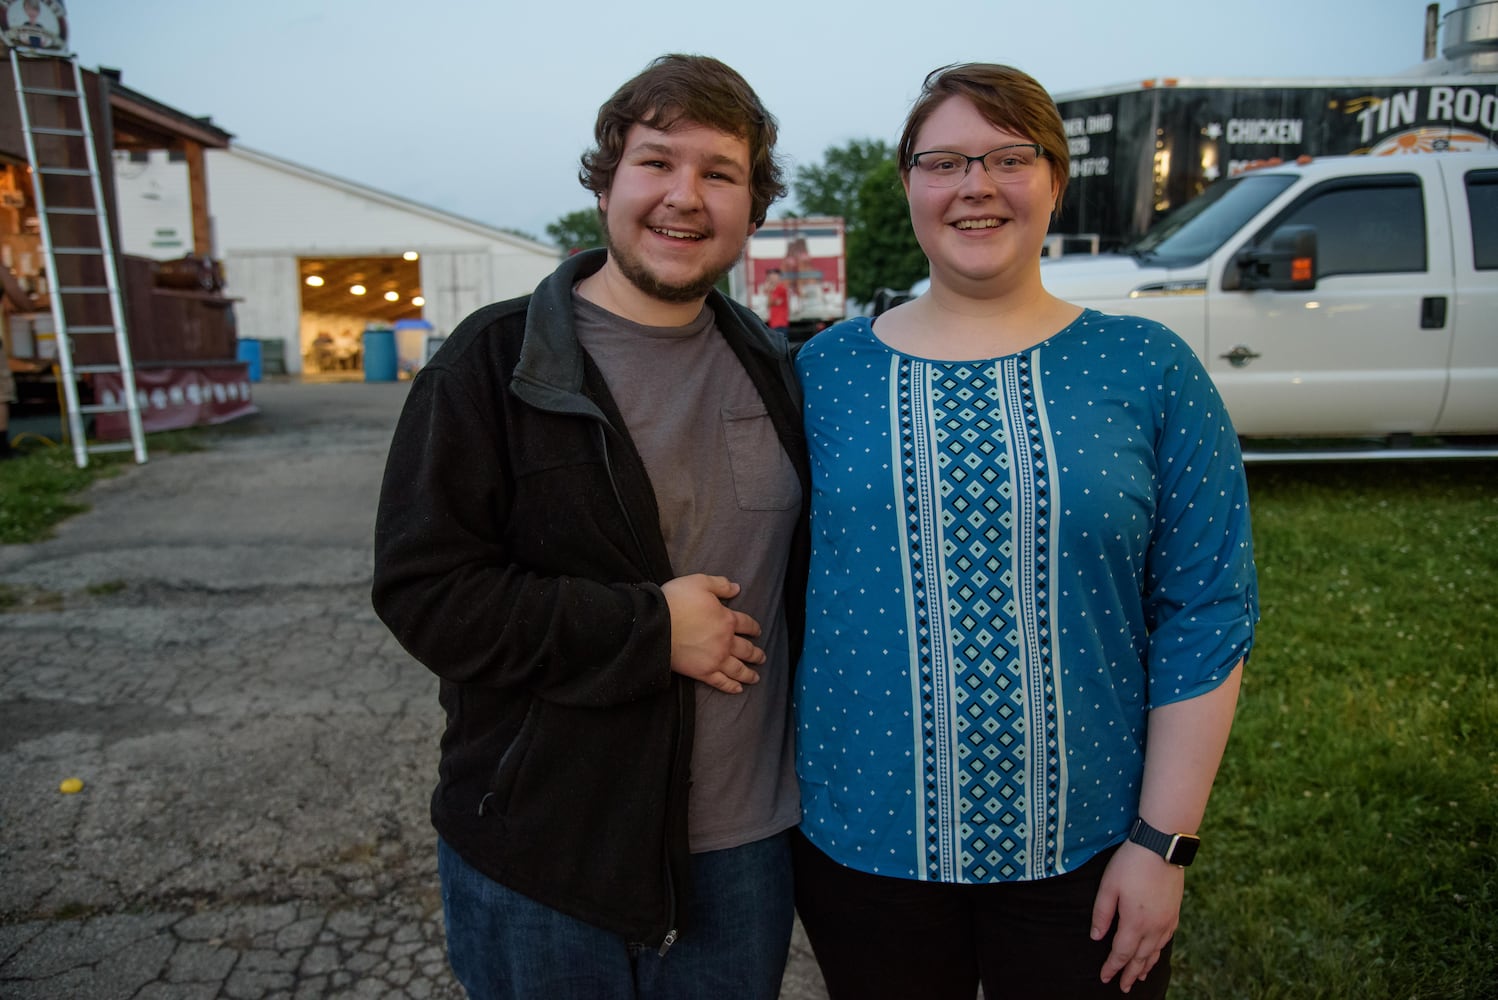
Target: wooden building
176, 317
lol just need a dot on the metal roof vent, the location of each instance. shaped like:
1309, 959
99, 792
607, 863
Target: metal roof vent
1471, 36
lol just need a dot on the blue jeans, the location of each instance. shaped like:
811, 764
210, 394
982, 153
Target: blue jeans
502, 944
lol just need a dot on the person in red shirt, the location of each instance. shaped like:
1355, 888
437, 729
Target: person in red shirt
779, 297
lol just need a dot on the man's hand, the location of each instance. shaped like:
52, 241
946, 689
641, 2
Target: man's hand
710, 642
1145, 894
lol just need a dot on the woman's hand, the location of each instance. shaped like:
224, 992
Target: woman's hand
1144, 893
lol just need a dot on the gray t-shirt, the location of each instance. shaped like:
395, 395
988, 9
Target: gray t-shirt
729, 499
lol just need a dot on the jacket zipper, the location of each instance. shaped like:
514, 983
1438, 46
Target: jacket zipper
608, 465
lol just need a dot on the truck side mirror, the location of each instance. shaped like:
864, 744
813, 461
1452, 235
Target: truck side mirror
1286, 264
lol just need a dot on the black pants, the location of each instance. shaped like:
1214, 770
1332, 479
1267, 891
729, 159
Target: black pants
877, 937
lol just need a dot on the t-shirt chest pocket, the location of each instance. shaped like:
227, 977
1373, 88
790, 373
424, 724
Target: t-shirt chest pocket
763, 477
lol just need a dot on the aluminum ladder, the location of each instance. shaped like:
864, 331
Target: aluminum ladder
83, 269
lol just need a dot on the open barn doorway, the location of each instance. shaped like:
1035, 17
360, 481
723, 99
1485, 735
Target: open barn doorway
344, 296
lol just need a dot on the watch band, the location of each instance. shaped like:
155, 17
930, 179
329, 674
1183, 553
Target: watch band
1176, 848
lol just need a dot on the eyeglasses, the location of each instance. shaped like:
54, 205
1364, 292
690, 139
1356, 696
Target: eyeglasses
944, 168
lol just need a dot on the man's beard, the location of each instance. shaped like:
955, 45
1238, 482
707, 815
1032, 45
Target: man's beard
641, 277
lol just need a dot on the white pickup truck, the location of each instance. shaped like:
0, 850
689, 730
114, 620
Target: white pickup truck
1346, 297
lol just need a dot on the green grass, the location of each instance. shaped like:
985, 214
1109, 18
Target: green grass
40, 486
39, 489
1351, 846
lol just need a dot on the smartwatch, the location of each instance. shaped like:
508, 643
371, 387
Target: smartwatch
1177, 849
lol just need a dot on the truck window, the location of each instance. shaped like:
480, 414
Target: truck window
1194, 231
1482, 203
1365, 225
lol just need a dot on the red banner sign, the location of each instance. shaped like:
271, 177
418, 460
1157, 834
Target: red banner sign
172, 398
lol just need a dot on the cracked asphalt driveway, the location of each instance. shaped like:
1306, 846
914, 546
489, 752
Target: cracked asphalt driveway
256, 752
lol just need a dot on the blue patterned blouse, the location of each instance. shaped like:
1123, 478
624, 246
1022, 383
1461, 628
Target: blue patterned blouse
1013, 560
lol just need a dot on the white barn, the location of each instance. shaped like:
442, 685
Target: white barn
313, 259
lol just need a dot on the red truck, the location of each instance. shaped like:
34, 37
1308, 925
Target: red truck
809, 254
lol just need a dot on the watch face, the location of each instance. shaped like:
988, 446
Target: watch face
1184, 851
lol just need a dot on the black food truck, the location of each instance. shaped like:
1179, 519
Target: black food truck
1140, 150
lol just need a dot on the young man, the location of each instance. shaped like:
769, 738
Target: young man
592, 529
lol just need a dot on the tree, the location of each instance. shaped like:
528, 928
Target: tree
580, 230
860, 182
882, 249
831, 188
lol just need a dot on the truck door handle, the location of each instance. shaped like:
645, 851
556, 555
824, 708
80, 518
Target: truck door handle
1433, 312
1239, 356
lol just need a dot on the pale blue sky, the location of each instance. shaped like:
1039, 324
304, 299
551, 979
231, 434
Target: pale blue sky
481, 107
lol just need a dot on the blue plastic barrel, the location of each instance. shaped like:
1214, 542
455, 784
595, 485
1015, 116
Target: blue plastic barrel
248, 351
380, 362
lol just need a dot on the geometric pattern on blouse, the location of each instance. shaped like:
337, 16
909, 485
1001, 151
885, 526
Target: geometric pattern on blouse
977, 507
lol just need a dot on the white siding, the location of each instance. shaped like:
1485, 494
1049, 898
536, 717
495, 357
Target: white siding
270, 303
515, 275
268, 212
264, 206
455, 284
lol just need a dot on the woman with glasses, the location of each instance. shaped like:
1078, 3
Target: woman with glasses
1032, 592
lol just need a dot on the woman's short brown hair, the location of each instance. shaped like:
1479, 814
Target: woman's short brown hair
1008, 98
696, 89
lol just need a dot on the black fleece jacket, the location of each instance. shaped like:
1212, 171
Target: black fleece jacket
519, 556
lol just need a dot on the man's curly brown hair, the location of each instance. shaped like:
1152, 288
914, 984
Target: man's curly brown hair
700, 90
